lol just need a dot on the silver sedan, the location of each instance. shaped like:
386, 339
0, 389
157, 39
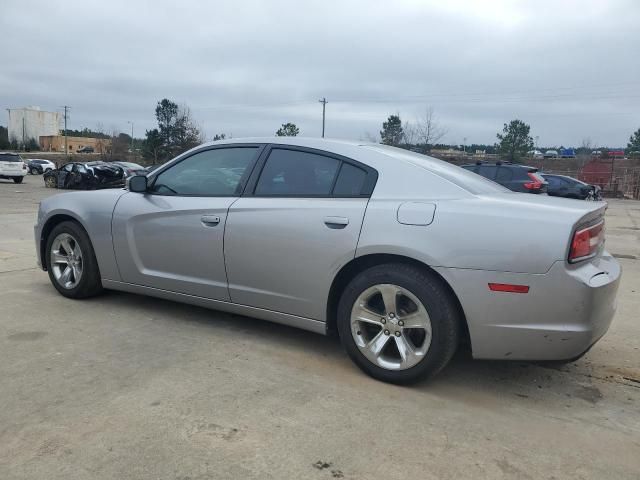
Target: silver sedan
402, 255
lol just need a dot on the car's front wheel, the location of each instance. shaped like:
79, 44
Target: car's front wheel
71, 261
398, 323
50, 182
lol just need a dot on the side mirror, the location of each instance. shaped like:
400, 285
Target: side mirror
137, 183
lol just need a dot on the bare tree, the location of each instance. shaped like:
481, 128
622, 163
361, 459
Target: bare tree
410, 133
584, 152
428, 129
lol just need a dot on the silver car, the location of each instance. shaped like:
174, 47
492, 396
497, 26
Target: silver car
402, 255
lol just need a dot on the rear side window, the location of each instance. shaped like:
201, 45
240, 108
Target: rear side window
4, 157
488, 171
553, 181
292, 172
505, 174
350, 181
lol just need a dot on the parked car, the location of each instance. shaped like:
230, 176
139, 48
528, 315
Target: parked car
87, 149
131, 168
536, 154
12, 167
85, 176
551, 154
568, 187
401, 254
37, 166
518, 178
567, 153
151, 168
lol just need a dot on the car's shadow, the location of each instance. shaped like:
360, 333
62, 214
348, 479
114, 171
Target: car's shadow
520, 380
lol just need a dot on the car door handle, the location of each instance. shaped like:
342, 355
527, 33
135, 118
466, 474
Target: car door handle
210, 220
336, 222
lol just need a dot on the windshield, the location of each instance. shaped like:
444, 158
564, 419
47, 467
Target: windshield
9, 157
469, 181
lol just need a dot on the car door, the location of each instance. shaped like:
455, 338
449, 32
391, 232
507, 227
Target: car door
299, 222
63, 173
77, 177
171, 237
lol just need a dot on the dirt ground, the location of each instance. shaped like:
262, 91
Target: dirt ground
128, 387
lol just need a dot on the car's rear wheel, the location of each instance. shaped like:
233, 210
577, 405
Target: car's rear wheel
18, 179
71, 262
398, 323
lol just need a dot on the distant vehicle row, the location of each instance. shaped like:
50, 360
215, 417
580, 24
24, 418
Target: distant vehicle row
562, 153
525, 179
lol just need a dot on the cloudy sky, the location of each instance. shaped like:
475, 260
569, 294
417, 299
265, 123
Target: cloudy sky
568, 68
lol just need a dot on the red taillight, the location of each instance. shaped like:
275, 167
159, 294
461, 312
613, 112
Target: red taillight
535, 183
585, 242
508, 287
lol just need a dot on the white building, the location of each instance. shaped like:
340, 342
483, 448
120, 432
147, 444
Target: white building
32, 123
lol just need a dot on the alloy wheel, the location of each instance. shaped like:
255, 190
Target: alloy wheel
391, 327
66, 261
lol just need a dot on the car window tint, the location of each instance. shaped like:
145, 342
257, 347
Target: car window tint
552, 181
7, 157
504, 174
488, 171
291, 172
350, 180
68, 167
217, 172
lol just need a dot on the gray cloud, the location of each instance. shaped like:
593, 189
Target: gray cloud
568, 68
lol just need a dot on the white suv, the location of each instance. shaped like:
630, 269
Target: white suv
12, 167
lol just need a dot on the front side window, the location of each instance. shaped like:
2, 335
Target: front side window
292, 172
216, 172
68, 167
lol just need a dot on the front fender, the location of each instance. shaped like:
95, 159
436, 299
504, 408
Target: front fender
93, 210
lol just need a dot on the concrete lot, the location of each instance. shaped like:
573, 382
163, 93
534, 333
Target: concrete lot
128, 387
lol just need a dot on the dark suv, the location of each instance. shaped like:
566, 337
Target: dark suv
519, 178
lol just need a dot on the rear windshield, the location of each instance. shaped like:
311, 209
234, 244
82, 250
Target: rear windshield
8, 157
461, 177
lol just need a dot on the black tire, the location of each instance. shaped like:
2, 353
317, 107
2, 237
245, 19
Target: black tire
17, 179
442, 308
90, 284
32, 171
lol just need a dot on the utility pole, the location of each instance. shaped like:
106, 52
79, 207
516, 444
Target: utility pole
324, 104
464, 145
132, 151
66, 150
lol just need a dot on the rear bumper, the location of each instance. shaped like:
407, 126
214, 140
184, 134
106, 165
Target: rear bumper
13, 174
565, 312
